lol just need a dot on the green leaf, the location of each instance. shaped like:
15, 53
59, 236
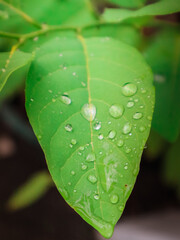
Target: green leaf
129, 3
10, 62
160, 8
163, 55
30, 191
90, 106
171, 168
14, 83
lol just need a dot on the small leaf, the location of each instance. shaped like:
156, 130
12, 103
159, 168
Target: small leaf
9, 63
30, 191
129, 3
163, 55
163, 7
93, 145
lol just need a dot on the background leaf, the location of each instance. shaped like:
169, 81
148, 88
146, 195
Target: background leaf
91, 107
33, 189
129, 3
160, 8
10, 62
163, 55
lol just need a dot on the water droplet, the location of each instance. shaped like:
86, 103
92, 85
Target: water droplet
81, 148
88, 111
126, 167
137, 115
127, 128
68, 128
114, 198
35, 39
91, 157
109, 122
32, 100
97, 125
3, 70
149, 118
96, 196
128, 150
116, 110
112, 134
83, 84
92, 178
69, 183
121, 208
66, 99
39, 137
143, 90
74, 190
100, 137
120, 143
60, 54
129, 89
50, 91
84, 167
74, 74
73, 141
130, 104
142, 129
73, 173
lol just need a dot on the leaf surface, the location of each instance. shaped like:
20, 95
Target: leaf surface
160, 8
91, 106
163, 55
10, 62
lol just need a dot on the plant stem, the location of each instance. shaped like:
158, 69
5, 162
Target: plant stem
10, 35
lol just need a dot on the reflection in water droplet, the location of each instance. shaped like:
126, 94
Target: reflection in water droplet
130, 104
128, 150
129, 89
88, 111
100, 136
81, 148
90, 157
73, 141
97, 125
73, 173
127, 128
68, 128
92, 178
96, 196
114, 198
65, 99
137, 115
120, 143
84, 167
112, 134
116, 110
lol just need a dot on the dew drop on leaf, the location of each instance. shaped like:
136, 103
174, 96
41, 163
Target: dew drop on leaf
142, 129
90, 157
100, 137
73, 141
96, 196
92, 178
114, 198
130, 104
88, 111
137, 115
97, 126
65, 99
68, 128
73, 173
129, 89
116, 110
84, 167
127, 128
120, 143
112, 134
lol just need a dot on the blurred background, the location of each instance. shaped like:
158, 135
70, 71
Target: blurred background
31, 208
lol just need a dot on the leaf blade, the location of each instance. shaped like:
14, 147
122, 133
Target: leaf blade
81, 83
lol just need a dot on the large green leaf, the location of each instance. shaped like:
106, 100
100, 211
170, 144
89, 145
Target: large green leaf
129, 3
10, 62
163, 55
159, 8
91, 106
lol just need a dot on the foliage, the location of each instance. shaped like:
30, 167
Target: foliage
89, 95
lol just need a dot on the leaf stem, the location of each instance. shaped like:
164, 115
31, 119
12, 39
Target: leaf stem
22, 14
10, 35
